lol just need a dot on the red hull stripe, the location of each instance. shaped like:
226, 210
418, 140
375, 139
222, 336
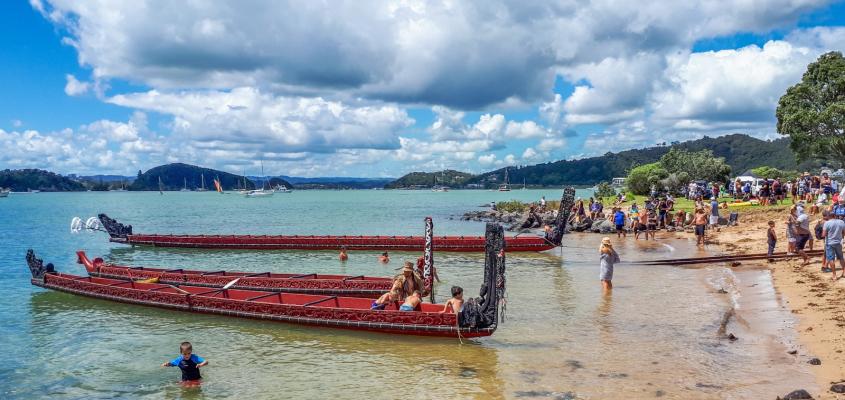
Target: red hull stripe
381, 243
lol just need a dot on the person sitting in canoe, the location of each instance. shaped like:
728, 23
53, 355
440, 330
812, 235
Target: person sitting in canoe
385, 299
456, 303
188, 362
408, 281
384, 258
411, 302
343, 256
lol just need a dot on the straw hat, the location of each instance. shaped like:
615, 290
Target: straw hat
407, 268
605, 241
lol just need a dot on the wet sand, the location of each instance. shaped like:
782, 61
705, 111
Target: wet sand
810, 295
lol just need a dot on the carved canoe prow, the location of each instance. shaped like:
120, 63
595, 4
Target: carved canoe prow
37, 267
115, 229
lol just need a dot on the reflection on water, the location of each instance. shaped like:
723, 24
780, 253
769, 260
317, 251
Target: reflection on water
655, 335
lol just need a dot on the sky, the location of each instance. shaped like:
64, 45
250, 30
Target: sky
383, 88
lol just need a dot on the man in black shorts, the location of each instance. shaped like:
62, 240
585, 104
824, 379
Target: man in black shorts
803, 236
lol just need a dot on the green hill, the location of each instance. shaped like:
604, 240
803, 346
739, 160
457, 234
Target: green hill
174, 176
741, 152
449, 178
21, 180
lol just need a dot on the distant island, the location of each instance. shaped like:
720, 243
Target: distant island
740, 152
178, 176
22, 180
450, 178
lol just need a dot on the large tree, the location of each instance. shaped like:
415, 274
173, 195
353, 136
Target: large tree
695, 165
641, 178
812, 112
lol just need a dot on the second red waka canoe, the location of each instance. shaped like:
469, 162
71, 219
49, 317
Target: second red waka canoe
120, 233
479, 317
322, 284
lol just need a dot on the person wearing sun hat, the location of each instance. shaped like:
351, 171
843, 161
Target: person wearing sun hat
607, 257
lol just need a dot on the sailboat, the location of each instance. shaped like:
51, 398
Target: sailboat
185, 188
160, 186
122, 187
523, 183
5, 192
505, 187
202, 184
259, 192
217, 185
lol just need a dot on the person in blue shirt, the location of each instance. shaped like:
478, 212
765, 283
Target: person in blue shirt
619, 221
188, 362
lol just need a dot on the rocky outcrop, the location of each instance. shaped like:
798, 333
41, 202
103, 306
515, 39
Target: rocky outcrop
799, 394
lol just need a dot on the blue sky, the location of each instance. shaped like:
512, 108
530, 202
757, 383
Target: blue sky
381, 88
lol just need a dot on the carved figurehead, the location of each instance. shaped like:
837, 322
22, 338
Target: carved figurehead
115, 229
566, 201
483, 311
37, 267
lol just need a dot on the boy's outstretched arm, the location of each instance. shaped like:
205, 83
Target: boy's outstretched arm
202, 364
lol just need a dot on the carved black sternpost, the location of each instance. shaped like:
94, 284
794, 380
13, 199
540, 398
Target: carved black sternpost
483, 311
567, 200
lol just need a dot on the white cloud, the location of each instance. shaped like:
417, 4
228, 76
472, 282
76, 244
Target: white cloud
458, 54
617, 91
529, 155
487, 160
257, 121
705, 90
74, 87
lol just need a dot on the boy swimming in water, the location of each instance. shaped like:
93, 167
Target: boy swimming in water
188, 362
456, 303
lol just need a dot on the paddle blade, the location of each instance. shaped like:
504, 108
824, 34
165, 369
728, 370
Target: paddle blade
230, 284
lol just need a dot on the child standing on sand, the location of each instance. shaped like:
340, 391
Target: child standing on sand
772, 239
189, 363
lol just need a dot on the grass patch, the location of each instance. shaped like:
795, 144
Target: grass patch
519, 207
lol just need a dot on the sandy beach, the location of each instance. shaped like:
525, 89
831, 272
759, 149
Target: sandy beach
818, 302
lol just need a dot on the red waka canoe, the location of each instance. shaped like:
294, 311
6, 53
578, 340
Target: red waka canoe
479, 317
120, 233
320, 284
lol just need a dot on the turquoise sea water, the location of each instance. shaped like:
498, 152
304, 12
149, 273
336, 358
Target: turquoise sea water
654, 335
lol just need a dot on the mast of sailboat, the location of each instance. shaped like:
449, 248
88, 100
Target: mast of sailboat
160, 188
202, 181
186, 183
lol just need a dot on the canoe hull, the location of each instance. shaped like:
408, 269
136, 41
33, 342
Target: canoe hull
333, 243
416, 323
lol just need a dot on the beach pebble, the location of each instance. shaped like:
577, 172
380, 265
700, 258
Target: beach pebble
799, 394
793, 352
815, 361
731, 337
838, 388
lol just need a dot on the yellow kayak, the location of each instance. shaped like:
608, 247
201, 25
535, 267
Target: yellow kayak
744, 203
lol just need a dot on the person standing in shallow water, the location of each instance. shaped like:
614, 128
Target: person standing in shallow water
607, 258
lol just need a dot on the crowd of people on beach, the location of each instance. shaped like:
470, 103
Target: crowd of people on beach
809, 195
